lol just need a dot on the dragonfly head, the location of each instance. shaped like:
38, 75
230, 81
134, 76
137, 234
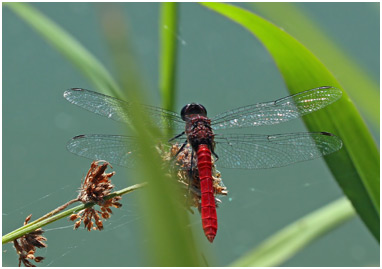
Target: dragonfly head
193, 109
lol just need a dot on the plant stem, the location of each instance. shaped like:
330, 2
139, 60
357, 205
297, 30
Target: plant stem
54, 215
55, 211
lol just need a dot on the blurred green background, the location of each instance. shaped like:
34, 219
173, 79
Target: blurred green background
219, 65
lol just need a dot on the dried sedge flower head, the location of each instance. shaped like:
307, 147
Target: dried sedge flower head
96, 186
188, 174
26, 245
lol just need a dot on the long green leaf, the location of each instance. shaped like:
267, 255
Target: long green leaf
355, 79
288, 241
356, 165
68, 46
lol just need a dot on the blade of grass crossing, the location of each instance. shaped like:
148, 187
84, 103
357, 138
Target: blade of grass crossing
68, 46
287, 242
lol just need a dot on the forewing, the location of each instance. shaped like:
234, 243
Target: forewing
119, 110
278, 111
269, 151
120, 150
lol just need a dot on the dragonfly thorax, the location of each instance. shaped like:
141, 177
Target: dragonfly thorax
199, 131
193, 109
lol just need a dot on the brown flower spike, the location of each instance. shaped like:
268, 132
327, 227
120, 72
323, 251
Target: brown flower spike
26, 245
96, 186
188, 175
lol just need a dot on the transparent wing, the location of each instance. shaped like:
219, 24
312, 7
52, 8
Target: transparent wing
119, 110
116, 149
268, 151
278, 111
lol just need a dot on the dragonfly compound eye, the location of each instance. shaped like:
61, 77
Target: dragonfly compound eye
193, 109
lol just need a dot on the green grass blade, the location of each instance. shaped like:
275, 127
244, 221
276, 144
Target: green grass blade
167, 236
168, 51
288, 241
68, 46
354, 78
356, 165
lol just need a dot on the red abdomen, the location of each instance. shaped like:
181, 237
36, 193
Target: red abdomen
208, 207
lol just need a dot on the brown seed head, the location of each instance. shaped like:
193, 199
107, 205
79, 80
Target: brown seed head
95, 187
26, 245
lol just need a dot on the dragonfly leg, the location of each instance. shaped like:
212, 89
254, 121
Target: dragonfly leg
190, 172
215, 155
177, 136
192, 190
180, 150
191, 175
195, 191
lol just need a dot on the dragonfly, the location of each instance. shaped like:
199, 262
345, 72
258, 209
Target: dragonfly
201, 134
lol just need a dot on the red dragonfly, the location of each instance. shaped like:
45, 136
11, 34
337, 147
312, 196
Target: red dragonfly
248, 151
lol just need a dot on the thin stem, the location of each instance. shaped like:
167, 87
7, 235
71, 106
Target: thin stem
168, 53
47, 220
55, 211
